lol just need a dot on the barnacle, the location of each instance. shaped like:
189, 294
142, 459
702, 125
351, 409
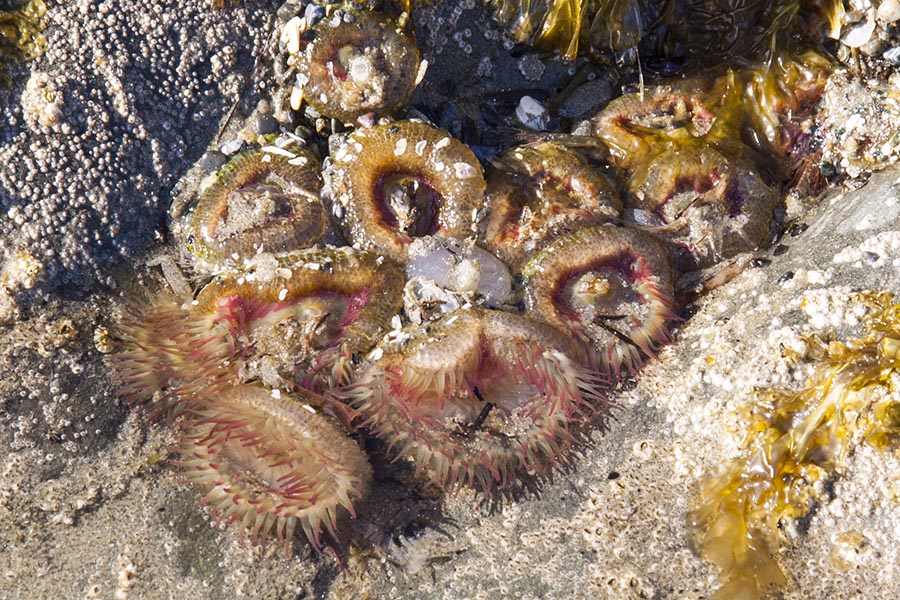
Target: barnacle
539, 191
706, 204
259, 202
316, 308
609, 287
478, 397
355, 63
393, 182
272, 464
20, 34
796, 439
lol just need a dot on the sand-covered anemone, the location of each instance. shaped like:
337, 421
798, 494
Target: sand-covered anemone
609, 287
272, 464
482, 398
314, 309
259, 201
539, 191
397, 181
705, 205
352, 63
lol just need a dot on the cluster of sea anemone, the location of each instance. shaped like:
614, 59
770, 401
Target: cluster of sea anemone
475, 325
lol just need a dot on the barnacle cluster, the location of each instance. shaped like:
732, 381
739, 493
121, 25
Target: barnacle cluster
20, 34
797, 441
470, 322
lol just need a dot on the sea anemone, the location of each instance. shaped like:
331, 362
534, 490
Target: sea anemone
353, 63
259, 202
539, 191
315, 308
270, 463
708, 206
167, 356
479, 397
609, 287
397, 181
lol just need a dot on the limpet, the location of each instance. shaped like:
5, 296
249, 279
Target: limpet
479, 397
397, 181
539, 191
259, 202
611, 287
270, 463
356, 63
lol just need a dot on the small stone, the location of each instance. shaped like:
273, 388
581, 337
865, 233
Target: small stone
211, 161
232, 146
266, 124
532, 114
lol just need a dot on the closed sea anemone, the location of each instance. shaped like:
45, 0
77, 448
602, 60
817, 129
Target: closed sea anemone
609, 287
479, 397
705, 205
393, 182
258, 202
539, 191
353, 63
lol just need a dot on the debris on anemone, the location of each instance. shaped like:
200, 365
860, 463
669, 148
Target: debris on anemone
351, 63
260, 201
311, 309
796, 442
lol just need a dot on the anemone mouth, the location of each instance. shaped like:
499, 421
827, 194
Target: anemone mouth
259, 202
272, 465
401, 180
609, 287
495, 400
407, 204
366, 64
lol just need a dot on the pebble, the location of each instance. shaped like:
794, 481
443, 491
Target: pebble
266, 124
889, 11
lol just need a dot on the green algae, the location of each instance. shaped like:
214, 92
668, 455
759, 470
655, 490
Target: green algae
797, 442
20, 35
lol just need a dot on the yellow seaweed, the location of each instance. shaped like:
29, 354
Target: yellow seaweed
796, 442
20, 35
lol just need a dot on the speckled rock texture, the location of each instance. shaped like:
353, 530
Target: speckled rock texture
95, 136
